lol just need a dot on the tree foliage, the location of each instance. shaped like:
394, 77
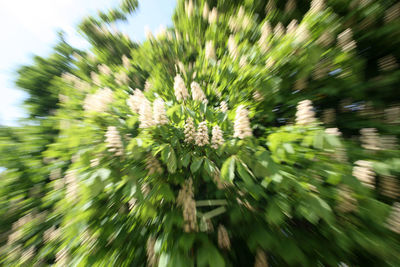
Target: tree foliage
227, 153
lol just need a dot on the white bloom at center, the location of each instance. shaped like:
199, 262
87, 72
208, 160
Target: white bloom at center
134, 101
217, 138
189, 130
197, 93
223, 106
180, 88
305, 114
159, 112
146, 114
232, 47
113, 140
363, 171
210, 50
242, 123
98, 101
202, 138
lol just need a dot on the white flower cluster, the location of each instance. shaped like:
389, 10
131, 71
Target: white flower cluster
388, 142
186, 200
223, 106
189, 130
363, 171
94, 162
95, 78
394, 218
217, 138
305, 114
202, 138
290, 6
370, 138
146, 114
72, 185
104, 69
181, 92
265, 34
210, 51
387, 63
151, 255
279, 30
98, 102
121, 78
261, 259
197, 93
392, 115
242, 123
333, 131
390, 186
189, 8
232, 47
55, 174
51, 234
345, 40
241, 22
134, 101
206, 10
317, 6
113, 140
213, 16
153, 165
347, 203
257, 96
126, 62
392, 13
223, 238
160, 117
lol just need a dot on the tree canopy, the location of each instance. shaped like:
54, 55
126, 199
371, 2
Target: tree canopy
248, 133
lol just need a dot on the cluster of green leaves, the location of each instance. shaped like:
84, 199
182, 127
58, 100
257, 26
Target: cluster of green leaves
281, 187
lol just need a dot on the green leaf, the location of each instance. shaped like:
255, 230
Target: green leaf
243, 172
274, 214
289, 148
208, 255
196, 163
163, 261
171, 162
228, 169
103, 173
208, 166
318, 140
186, 160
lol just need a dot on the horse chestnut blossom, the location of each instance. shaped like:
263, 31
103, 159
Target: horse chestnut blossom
223, 106
223, 238
186, 201
134, 101
181, 92
217, 138
159, 112
146, 114
210, 50
242, 123
113, 141
197, 93
202, 138
189, 130
363, 171
98, 102
305, 114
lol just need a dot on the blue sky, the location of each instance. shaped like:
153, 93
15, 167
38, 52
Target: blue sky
29, 27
